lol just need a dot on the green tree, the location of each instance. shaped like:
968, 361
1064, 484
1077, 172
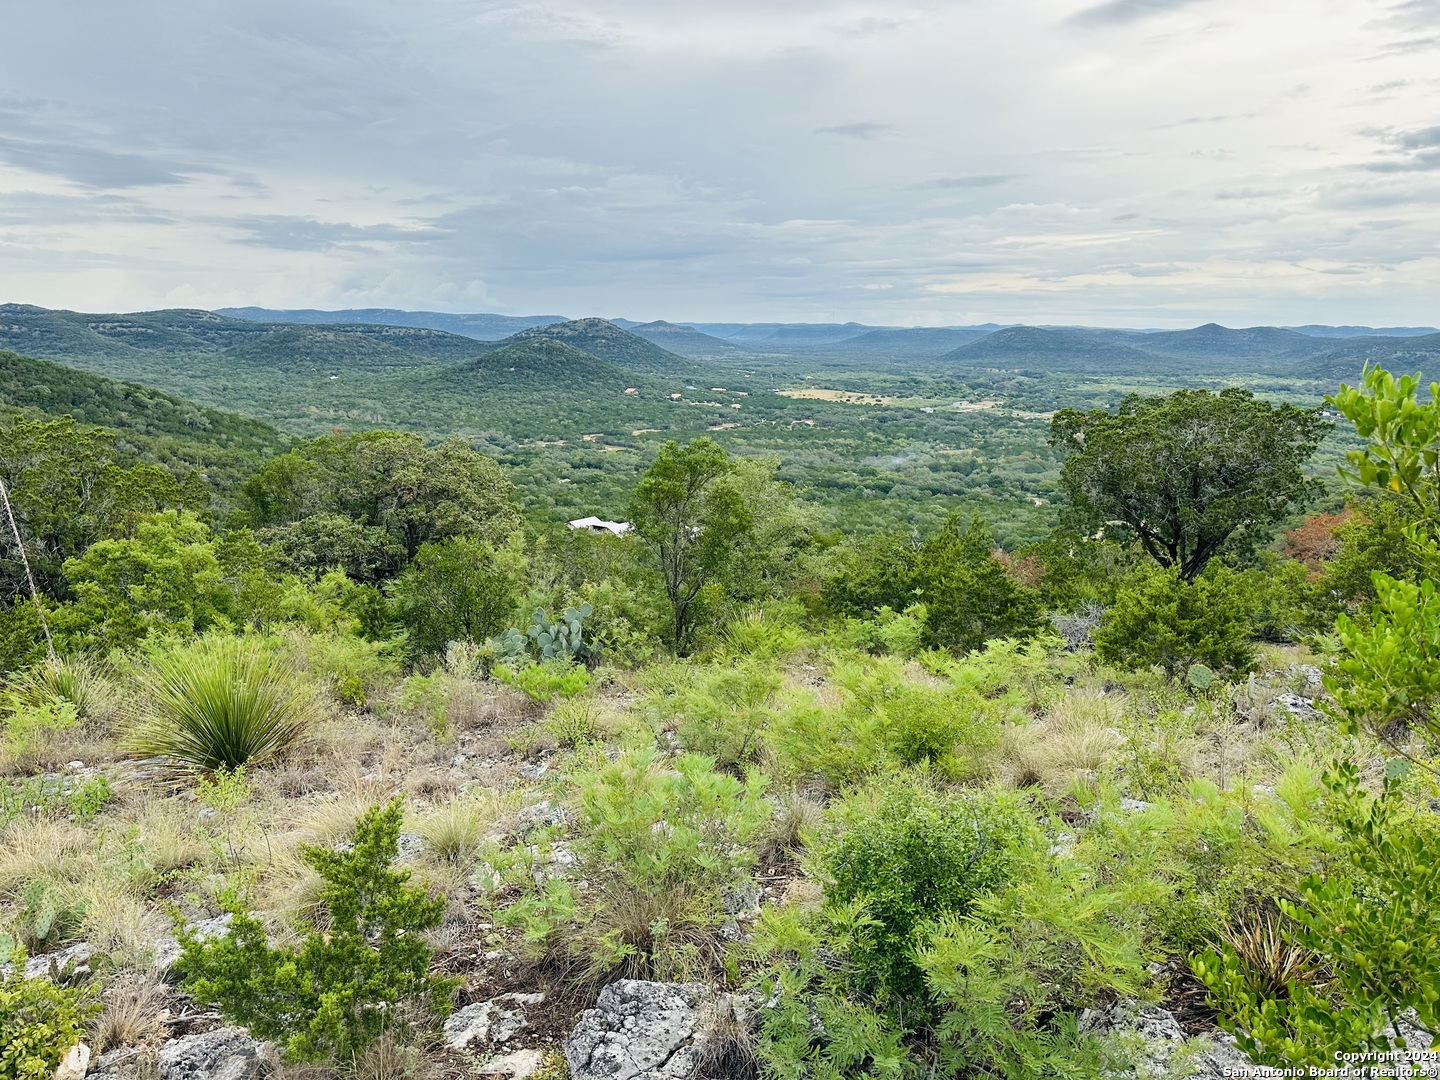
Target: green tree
867, 573
69, 489
969, 599
390, 481
458, 588
1188, 475
693, 518
166, 576
1160, 618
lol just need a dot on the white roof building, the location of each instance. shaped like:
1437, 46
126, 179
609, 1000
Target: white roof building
597, 525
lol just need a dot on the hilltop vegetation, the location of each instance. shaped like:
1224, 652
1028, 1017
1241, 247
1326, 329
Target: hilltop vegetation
887, 430
944, 808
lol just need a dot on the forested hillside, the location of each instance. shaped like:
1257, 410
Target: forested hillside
364, 757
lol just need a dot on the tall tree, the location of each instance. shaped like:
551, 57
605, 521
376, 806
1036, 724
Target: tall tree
69, 489
383, 480
1188, 474
693, 519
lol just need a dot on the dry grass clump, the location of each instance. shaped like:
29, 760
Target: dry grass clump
136, 1008
455, 830
1077, 739
796, 816
43, 847
119, 922
168, 835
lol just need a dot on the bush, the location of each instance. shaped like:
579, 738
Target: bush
913, 854
1367, 939
1159, 618
546, 680
969, 598
345, 986
722, 712
53, 794
39, 1023
219, 702
457, 588
659, 843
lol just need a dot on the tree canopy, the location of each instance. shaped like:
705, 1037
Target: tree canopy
693, 519
1188, 474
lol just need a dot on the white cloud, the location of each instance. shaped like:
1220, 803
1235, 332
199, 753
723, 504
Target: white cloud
1125, 161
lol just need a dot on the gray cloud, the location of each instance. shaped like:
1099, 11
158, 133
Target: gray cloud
864, 129
1120, 12
86, 165
974, 180
668, 158
308, 234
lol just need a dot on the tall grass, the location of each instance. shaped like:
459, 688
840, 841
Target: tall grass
218, 703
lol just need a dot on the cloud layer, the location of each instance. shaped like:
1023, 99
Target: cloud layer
1130, 162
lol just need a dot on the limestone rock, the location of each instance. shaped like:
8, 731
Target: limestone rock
1159, 1047
518, 1064
494, 1021
223, 1054
641, 1031
74, 1064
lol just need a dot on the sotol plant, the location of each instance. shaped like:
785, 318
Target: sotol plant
219, 703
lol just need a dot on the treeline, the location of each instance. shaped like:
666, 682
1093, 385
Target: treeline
1166, 556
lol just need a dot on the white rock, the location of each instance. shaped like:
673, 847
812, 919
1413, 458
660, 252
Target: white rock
640, 1031
494, 1021
223, 1054
517, 1064
74, 1064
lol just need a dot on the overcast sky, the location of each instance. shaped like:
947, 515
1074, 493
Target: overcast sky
1126, 162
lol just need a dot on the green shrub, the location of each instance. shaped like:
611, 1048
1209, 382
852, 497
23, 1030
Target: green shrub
30, 730
66, 681
572, 723
722, 712
346, 984
547, 680
1368, 940
912, 854
969, 598
653, 823
457, 588
39, 1022
1159, 618
54, 794
218, 702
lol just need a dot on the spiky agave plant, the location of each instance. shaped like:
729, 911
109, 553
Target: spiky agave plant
219, 702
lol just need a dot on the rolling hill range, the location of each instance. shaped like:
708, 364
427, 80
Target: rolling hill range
682, 340
604, 339
1209, 351
482, 326
151, 425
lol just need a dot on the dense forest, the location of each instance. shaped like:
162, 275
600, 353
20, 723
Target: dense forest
329, 742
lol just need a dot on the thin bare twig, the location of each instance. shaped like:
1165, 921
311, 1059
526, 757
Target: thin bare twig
25, 562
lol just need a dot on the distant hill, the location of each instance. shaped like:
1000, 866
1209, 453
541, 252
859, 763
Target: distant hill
1053, 348
1204, 350
781, 334
481, 326
1363, 331
1215, 341
682, 340
537, 362
607, 341
1400, 355
342, 348
154, 426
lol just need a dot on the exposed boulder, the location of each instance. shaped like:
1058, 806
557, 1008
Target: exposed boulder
223, 1054
494, 1021
1158, 1047
518, 1064
642, 1031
